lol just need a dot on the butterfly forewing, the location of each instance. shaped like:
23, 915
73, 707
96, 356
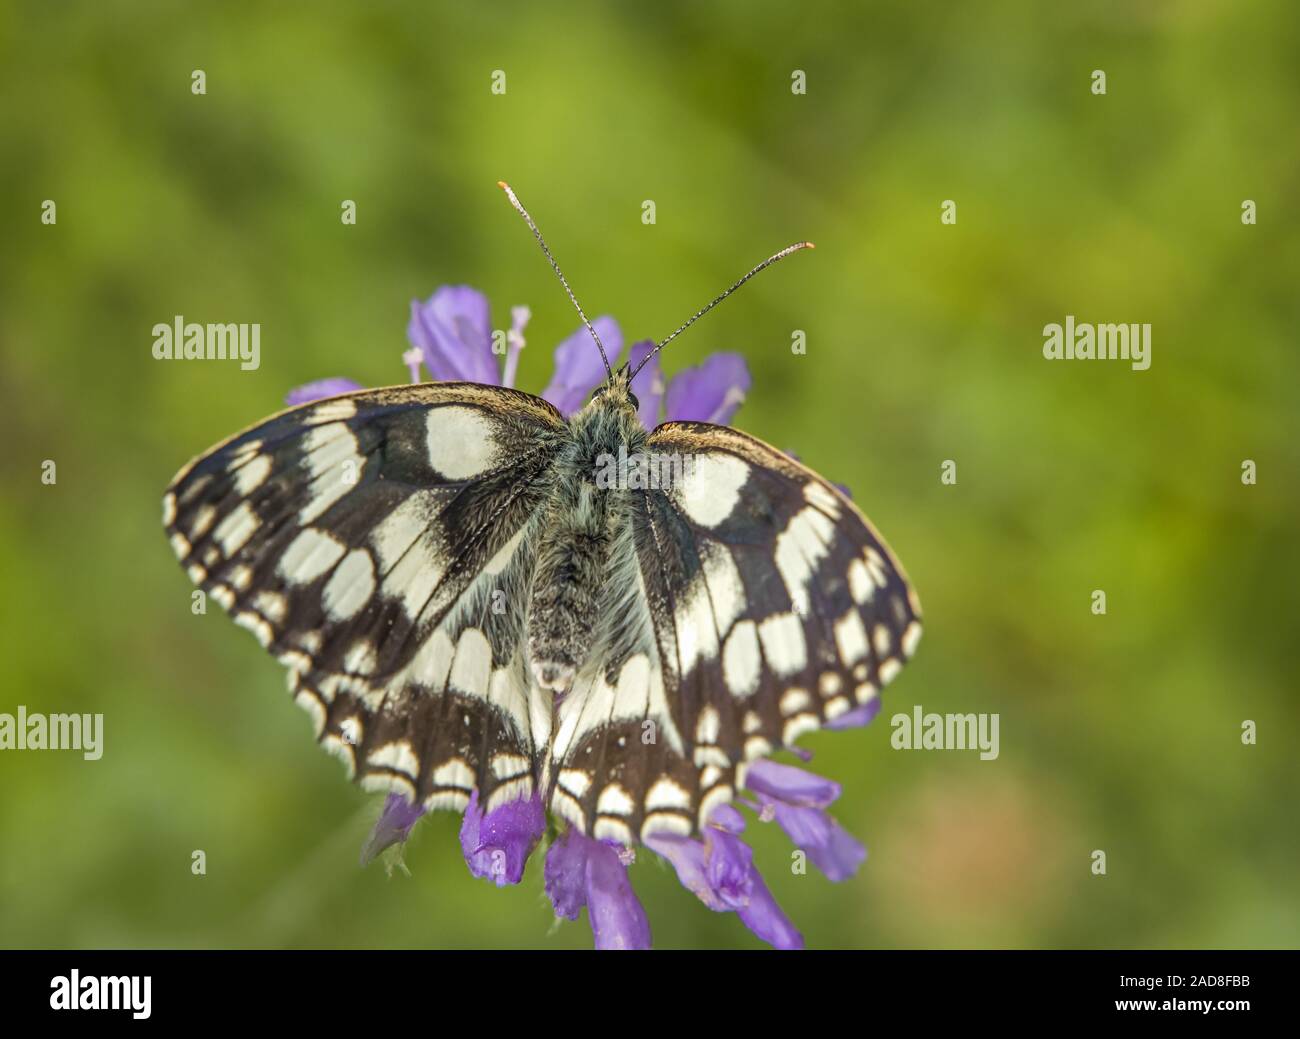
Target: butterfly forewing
378, 543
765, 606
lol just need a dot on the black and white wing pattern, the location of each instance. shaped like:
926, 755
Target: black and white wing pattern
378, 543
758, 604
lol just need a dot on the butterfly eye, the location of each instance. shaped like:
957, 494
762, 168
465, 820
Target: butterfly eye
635, 403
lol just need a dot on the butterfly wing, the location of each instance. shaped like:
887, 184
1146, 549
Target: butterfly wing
765, 606
378, 543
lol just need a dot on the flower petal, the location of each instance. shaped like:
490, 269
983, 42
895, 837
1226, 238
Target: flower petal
729, 866
565, 874
578, 368
392, 827
617, 919
791, 784
764, 917
687, 857
648, 386
832, 849
320, 389
453, 330
497, 845
720, 872
709, 393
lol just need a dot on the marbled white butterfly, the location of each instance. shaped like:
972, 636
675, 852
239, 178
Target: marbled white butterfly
463, 606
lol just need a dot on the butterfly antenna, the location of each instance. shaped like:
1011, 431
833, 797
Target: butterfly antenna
519, 206
704, 310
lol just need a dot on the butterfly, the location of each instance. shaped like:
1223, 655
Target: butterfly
466, 608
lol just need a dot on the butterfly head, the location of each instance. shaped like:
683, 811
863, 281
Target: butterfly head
615, 393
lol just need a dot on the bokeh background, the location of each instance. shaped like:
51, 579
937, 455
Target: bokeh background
1119, 733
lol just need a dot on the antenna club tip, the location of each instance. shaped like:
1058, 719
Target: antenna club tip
809, 245
503, 185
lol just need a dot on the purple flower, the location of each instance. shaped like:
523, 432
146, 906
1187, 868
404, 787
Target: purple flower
578, 368
719, 870
451, 336
580, 871
497, 845
710, 393
320, 389
393, 827
453, 332
797, 799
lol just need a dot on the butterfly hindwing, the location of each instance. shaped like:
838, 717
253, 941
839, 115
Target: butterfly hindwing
378, 543
769, 608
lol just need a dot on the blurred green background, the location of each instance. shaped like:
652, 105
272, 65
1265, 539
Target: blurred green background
1119, 733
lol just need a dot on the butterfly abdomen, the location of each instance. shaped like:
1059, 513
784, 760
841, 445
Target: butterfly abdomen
582, 525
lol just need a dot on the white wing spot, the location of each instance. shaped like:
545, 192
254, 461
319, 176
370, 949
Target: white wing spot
726, 589
575, 781
861, 586
741, 663
454, 773
260, 629
851, 637
202, 521
272, 606
783, 643
507, 766
911, 637
614, 800
799, 548
612, 830
712, 488
882, 640
834, 708
398, 756
351, 586
460, 442
469, 671
433, 660
707, 726
361, 658
252, 475
233, 532
310, 555
797, 726
795, 700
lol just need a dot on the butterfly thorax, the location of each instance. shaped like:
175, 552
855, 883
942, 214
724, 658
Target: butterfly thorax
582, 524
